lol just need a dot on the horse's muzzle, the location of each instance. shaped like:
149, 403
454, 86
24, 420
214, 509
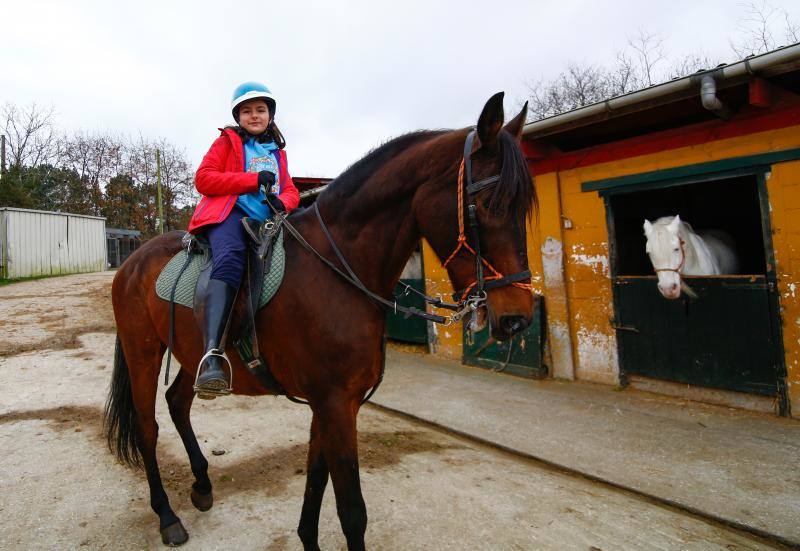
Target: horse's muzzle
509, 325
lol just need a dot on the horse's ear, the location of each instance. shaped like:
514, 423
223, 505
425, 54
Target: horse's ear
515, 125
648, 227
491, 120
675, 224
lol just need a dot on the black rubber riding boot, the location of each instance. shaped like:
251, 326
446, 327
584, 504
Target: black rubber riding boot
212, 379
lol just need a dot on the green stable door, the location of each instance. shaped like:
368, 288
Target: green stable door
726, 337
521, 355
722, 339
412, 329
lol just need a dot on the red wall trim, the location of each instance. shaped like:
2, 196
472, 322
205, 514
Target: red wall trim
542, 159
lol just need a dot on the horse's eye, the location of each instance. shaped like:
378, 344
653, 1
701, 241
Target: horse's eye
675, 250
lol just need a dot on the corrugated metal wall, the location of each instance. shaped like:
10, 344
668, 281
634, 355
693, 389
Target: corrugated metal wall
49, 243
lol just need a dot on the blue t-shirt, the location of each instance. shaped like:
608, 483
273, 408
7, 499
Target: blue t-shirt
258, 157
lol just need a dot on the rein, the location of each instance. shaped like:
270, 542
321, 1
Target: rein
467, 302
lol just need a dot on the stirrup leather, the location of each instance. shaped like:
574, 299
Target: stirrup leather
214, 392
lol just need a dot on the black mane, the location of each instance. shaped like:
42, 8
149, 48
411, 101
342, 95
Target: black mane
514, 197
351, 180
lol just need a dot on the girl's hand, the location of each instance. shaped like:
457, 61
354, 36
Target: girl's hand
274, 203
266, 180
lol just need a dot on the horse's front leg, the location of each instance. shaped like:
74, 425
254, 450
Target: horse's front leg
316, 481
179, 399
337, 430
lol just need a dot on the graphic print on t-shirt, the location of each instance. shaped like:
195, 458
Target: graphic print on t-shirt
266, 162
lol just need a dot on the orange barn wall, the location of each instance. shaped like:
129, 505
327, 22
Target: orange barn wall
783, 187
589, 306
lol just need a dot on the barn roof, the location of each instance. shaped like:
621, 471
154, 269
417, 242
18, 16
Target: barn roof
668, 105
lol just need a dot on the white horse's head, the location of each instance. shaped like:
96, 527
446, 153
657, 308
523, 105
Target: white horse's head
666, 250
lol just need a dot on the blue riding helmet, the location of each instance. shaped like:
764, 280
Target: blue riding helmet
248, 91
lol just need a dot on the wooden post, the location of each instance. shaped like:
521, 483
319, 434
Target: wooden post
158, 184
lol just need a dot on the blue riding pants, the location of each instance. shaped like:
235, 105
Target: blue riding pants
228, 248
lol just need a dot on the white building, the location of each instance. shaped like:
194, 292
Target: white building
35, 242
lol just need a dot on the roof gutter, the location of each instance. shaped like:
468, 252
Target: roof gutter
769, 64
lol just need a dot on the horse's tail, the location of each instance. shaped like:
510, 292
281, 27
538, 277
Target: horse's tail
119, 418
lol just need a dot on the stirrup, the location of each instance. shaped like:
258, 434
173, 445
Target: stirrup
209, 392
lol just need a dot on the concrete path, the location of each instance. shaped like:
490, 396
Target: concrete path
733, 465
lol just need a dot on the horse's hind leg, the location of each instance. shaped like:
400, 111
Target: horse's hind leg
144, 361
316, 480
179, 399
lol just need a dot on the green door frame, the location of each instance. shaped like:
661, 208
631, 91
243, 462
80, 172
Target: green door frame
754, 165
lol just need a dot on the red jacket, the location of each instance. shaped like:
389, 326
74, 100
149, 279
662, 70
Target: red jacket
221, 179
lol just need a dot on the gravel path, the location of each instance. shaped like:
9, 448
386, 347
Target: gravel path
61, 489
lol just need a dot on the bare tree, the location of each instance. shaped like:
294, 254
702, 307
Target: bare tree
764, 28
95, 158
648, 49
177, 181
623, 76
688, 64
578, 86
30, 134
791, 29
644, 62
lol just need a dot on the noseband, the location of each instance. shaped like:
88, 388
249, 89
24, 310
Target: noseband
482, 283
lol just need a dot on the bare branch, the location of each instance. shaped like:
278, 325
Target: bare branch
30, 134
688, 64
649, 49
756, 29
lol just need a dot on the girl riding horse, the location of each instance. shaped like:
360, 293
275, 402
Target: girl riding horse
244, 174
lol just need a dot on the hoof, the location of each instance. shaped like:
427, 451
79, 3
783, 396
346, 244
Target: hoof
202, 502
174, 535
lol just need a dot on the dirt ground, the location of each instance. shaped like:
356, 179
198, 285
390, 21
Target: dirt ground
424, 489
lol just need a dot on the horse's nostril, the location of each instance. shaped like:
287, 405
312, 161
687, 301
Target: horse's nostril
513, 324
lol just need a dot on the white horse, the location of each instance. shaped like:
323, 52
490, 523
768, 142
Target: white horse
675, 250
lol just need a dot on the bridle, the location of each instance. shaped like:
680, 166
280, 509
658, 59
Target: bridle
680, 265
481, 283
468, 299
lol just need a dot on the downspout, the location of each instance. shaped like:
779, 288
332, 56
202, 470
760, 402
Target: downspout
559, 321
708, 95
769, 64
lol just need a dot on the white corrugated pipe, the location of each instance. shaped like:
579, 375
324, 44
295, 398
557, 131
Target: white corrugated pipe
708, 95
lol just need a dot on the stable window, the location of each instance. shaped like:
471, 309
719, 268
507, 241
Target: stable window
729, 205
728, 336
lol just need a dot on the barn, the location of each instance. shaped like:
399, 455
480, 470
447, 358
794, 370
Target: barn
121, 244
42, 243
721, 148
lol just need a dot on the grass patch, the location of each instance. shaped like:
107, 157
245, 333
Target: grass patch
8, 281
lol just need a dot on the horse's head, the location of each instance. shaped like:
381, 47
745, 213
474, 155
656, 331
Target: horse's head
483, 208
666, 250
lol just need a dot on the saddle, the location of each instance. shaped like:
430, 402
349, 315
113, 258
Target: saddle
187, 285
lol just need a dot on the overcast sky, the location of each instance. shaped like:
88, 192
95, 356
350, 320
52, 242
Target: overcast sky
347, 75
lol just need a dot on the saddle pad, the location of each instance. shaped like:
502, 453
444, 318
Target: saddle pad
184, 293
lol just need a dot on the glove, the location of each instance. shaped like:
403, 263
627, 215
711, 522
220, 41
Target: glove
275, 203
266, 180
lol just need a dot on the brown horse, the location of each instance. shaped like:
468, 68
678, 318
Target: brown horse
321, 336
